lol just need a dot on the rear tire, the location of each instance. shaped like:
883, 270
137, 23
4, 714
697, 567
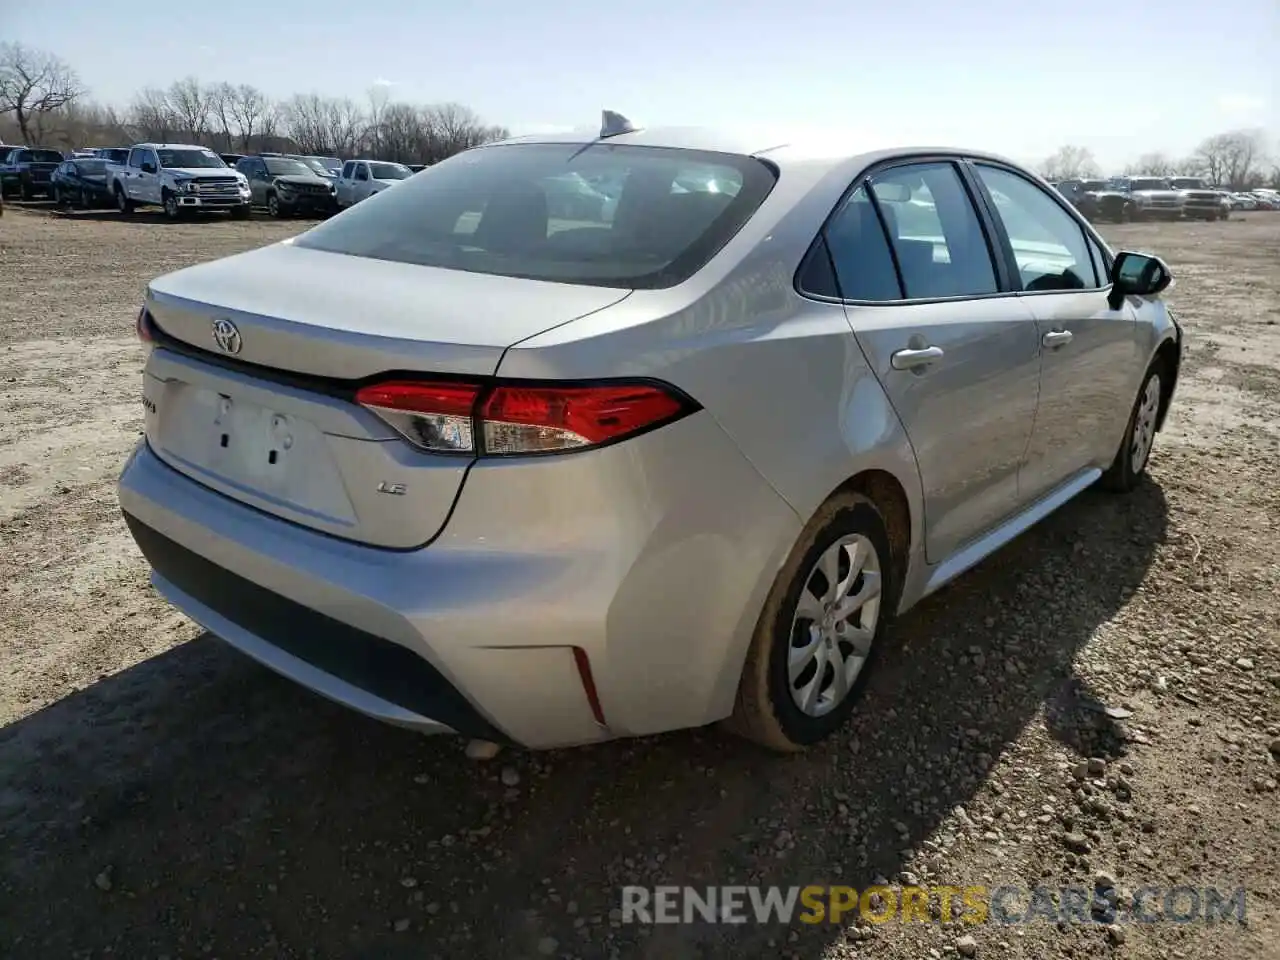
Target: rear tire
123, 203
1131, 460
806, 668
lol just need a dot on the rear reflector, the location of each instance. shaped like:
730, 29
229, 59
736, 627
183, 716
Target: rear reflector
510, 419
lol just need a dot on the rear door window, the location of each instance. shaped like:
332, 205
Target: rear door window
609, 215
860, 252
937, 238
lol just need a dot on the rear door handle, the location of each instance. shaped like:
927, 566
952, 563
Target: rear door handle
1056, 338
915, 359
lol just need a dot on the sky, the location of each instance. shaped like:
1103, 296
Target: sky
1009, 76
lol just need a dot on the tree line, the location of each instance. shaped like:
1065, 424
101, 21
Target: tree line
1237, 159
44, 103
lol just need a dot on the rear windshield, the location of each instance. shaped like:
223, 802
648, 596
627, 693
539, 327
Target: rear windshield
608, 215
91, 166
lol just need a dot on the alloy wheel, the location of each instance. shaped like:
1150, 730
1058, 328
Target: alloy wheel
834, 625
1144, 424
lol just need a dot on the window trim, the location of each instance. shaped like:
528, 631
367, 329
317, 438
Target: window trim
1086, 229
957, 161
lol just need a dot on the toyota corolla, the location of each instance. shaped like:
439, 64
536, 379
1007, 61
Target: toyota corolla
466, 462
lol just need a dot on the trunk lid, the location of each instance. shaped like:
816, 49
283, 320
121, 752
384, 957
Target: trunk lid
298, 447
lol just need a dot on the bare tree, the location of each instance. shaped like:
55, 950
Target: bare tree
191, 107
379, 100
1189, 167
453, 128
220, 97
303, 118
33, 84
1230, 158
1069, 163
153, 115
1153, 165
249, 108
344, 125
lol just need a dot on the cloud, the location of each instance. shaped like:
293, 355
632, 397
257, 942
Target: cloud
384, 82
1241, 105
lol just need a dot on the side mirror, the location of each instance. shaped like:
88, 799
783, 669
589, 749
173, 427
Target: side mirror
148, 166
1137, 275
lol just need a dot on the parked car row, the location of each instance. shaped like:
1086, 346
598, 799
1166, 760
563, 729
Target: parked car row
1122, 199
188, 178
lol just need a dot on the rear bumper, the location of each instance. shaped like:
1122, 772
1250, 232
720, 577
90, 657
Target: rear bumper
652, 557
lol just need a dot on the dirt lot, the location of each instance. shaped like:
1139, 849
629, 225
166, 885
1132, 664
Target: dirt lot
162, 796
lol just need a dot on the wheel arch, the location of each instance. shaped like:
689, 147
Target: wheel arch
1169, 355
888, 493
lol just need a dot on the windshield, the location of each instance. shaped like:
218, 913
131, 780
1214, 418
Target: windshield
389, 171
114, 155
521, 211
1149, 183
190, 158
315, 166
91, 166
330, 163
287, 168
1093, 185
1188, 183
46, 156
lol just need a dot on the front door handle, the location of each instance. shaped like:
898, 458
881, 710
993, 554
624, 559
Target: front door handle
915, 359
1056, 338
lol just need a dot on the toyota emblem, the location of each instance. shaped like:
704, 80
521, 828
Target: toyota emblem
227, 336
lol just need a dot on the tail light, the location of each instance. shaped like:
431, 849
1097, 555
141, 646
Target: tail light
519, 419
142, 327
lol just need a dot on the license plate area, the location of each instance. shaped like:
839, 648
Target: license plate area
279, 461
255, 442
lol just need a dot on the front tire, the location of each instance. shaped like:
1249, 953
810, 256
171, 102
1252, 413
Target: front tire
172, 209
273, 206
1131, 460
820, 629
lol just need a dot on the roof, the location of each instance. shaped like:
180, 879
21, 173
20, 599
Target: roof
172, 146
828, 150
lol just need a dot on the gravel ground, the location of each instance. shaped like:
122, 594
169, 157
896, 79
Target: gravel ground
162, 796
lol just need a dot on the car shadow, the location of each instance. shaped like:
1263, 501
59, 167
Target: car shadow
197, 804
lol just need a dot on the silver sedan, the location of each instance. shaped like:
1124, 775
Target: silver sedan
468, 458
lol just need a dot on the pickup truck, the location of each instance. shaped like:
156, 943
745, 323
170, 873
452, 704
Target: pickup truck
179, 177
29, 169
1199, 200
361, 179
1152, 197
